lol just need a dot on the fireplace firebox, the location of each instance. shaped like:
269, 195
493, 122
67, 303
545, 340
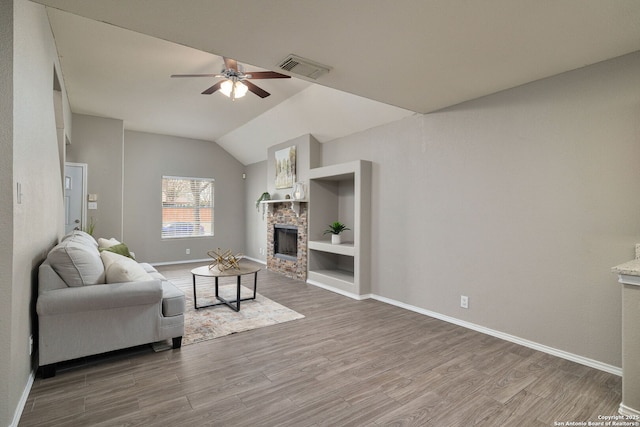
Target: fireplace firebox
285, 241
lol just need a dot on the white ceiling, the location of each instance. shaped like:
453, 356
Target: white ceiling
418, 55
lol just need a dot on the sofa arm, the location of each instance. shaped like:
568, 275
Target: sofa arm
99, 297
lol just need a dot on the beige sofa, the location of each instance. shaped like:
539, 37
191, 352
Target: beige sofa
85, 309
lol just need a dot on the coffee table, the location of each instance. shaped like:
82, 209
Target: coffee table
205, 271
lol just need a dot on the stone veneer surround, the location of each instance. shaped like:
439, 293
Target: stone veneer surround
281, 213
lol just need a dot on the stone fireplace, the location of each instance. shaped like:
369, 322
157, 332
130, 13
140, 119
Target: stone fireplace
287, 240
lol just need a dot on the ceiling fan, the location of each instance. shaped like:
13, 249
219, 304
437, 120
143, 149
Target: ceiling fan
236, 82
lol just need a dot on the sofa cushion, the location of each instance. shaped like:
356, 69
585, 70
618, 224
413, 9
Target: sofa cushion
173, 301
120, 269
148, 267
77, 261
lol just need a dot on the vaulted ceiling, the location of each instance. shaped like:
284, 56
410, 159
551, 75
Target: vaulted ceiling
388, 59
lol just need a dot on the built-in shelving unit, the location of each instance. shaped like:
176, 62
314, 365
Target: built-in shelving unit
340, 193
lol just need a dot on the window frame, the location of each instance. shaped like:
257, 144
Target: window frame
186, 228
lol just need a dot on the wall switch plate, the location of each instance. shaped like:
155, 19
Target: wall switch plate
188, 251
30, 344
92, 205
19, 193
464, 301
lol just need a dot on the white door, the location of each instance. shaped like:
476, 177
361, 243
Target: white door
75, 182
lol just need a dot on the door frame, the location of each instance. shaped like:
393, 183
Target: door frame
83, 166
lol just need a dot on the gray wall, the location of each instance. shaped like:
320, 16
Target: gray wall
522, 201
29, 156
9, 393
125, 169
256, 221
98, 142
307, 157
147, 157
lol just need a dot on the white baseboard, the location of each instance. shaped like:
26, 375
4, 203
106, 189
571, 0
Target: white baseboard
23, 399
628, 412
207, 260
507, 337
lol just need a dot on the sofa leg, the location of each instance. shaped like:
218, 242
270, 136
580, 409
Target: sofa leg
48, 371
177, 342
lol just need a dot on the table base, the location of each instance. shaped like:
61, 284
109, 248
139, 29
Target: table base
223, 301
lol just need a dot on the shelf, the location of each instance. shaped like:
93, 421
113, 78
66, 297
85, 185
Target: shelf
295, 204
285, 201
345, 248
337, 278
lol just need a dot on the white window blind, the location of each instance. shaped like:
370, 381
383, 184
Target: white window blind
187, 207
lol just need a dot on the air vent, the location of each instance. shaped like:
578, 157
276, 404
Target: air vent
304, 67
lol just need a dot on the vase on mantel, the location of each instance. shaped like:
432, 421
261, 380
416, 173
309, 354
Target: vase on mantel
298, 191
336, 239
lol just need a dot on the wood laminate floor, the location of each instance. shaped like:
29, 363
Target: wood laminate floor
347, 363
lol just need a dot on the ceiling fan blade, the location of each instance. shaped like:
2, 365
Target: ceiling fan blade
267, 75
255, 89
213, 88
194, 75
230, 64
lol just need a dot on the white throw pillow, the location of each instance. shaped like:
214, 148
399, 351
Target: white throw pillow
77, 263
107, 243
120, 269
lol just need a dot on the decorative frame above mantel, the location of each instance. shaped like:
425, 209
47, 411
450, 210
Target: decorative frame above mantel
285, 167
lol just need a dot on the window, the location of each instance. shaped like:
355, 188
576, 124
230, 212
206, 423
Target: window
187, 207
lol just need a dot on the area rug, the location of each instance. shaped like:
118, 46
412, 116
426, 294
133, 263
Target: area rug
214, 322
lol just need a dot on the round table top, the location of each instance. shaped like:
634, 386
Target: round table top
214, 272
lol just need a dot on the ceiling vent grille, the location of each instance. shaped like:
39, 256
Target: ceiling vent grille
304, 67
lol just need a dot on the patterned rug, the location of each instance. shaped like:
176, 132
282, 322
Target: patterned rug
213, 322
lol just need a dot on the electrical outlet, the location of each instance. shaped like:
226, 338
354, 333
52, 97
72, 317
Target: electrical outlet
261, 251
464, 301
30, 344
188, 251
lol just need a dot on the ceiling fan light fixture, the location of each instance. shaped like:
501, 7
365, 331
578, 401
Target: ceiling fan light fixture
233, 89
241, 89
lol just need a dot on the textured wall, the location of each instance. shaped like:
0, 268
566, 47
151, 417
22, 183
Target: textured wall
98, 141
521, 200
38, 219
256, 221
147, 157
8, 396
